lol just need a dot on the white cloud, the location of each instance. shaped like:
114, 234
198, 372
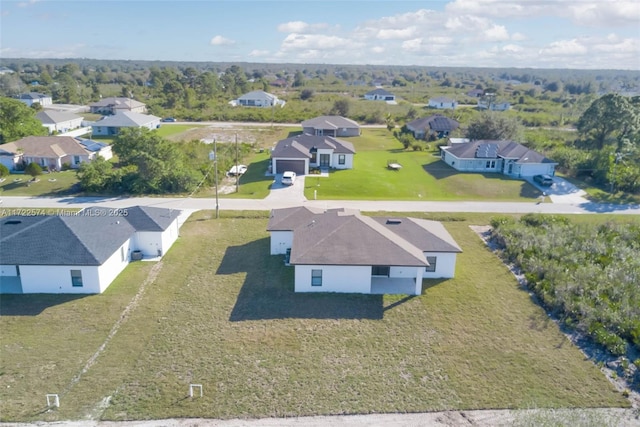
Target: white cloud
517, 37
293, 27
378, 49
221, 41
606, 13
400, 33
571, 47
496, 33
27, 3
315, 41
256, 53
513, 48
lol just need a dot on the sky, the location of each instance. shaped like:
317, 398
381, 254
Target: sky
578, 34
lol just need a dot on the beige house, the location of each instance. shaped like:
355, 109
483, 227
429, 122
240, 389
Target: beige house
113, 105
51, 152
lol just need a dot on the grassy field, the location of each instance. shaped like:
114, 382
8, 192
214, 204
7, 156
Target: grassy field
423, 176
53, 184
166, 130
222, 313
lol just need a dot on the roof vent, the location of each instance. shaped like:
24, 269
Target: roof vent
13, 222
394, 221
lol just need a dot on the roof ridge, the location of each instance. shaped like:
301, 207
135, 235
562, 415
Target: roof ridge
29, 227
391, 236
82, 243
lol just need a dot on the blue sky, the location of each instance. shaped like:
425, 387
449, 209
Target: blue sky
587, 34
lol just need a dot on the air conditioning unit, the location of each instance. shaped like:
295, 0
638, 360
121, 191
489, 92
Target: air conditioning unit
136, 255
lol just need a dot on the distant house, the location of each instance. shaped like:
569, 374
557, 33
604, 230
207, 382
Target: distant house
340, 250
113, 105
505, 157
379, 95
435, 126
47, 151
97, 148
475, 93
80, 253
59, 121
111, 125
279, 83
443, 103
258, 98
35, 98
299, 153
488, 104
335, 126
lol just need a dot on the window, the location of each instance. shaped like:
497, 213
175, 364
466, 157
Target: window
122, 253
316, 277
380, 270
491, 164
432, 263
76, 160
341, 159
76, 278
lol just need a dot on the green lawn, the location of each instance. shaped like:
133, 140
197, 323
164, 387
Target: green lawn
222, 313
51, 184
169, 129
423, 176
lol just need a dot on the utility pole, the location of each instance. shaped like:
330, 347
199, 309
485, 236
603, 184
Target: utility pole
213, 156
237, 170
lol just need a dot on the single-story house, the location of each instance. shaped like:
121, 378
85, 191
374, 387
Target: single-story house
475, 93
379, 94
443, 103
299, 153
47, 151
98, 148
506, 157
485, 104
335, 126
113, 105
258, 98
59, 121
340, 250
435, 126
111, 125
80, 253
35, 98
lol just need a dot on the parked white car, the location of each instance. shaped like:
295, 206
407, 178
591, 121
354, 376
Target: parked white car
288, 178
237, 170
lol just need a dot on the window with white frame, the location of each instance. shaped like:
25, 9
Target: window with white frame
316, 277
342, 159
491, 164
76, 278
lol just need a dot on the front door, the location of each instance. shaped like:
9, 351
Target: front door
325, 160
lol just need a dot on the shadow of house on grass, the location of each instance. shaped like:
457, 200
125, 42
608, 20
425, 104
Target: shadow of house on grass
267, 292
33, 304
439, 170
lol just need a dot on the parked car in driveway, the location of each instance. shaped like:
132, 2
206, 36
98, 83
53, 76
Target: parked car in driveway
288, 178
545, 180
169, 120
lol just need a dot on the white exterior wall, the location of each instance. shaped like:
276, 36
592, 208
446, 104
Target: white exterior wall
443, 105
113, 266
348, 161
9, 161
8, 270
149, 243
280, 242
325, 151
169, 236
56, 279
335, 278
531, 169
64, 126
445, 265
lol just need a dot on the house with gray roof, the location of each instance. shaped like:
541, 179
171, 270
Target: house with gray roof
443, 103
336, 126
505, 157
59, 121
435, 126
340, 250
111, 125
51, 152
98, 148
301, 152
80, 252
31, 98
380, 94
112, 105
257, 98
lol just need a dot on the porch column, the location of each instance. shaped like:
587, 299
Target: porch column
418, 289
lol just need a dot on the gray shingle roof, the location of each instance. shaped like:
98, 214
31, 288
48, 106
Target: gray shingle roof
429, 236
380, 91
53, 117
117, 103
258, 94
33, 95
504, 149
126, 119
87, 238
300, 146
288, 219
330, 122
436, 123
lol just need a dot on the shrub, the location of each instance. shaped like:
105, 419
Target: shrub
33, 169
4, 171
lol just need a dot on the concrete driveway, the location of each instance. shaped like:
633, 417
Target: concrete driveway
286, 194
562, 191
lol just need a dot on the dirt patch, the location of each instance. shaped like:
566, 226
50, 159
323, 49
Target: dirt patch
226, 135
618, 370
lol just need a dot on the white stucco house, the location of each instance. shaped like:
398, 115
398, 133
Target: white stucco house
80, 253
96, 148
341, 250
505, 157
35, 98
443, 103
111, 125
113, 105
257, 98
59, 121
380, 94
47, 151
301, 152
336, 126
